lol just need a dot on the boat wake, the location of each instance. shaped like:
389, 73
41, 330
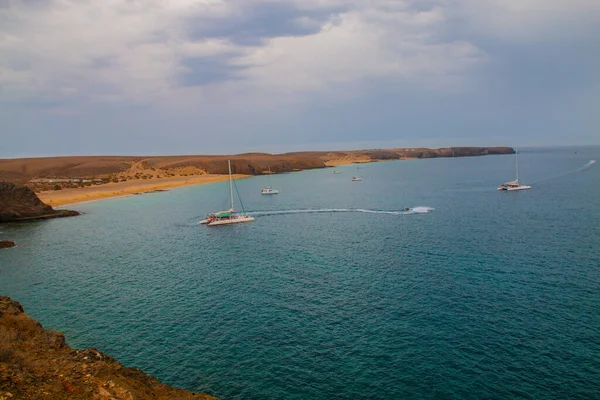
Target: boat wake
410, 211
584, 167
587, 165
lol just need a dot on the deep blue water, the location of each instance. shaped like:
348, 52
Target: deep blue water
490, 295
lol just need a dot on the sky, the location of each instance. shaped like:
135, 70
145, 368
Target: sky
155, 77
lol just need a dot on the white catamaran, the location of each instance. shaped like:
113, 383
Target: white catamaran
268, 189
514, 185
229, 216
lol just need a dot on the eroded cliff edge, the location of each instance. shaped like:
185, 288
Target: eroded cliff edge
19, 203
38, 364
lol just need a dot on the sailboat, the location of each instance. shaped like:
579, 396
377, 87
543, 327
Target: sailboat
357, 177
229, 216
514, 185
268, 189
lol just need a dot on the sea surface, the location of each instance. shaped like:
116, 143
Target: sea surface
478, 294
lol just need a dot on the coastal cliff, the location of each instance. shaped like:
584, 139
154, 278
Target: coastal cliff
19, 203
346, 157
38, 364
43, 174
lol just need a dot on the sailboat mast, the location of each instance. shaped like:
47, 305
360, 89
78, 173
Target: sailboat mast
230, 183
517, 163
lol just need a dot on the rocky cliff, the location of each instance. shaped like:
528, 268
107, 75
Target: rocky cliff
37, 364
5, 244
333, 157
19, 203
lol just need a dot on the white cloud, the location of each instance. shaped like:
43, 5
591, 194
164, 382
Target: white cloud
104, 50
134, 51
361, 44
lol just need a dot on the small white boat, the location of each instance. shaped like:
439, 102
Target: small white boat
227, 217
268, 189
513, 185
357, 177
516, 184
335, 171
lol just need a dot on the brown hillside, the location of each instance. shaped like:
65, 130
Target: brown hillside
126, 167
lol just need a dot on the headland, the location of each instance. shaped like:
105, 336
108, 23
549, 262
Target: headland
65, 180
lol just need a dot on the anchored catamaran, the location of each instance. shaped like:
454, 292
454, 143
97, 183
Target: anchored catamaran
514, 185
268, 189
229, 216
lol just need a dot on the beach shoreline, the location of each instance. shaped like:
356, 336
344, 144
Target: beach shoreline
69, 196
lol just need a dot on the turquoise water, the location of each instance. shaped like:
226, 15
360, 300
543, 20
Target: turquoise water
490, 295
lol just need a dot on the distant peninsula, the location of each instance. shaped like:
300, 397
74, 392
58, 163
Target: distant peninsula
36, 363
65, 180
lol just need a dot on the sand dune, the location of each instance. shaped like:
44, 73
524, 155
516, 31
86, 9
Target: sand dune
77, 195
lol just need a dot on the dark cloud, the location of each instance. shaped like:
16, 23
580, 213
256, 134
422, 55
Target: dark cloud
255, 22
203, 71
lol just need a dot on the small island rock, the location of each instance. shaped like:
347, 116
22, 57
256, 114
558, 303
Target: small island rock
5, 244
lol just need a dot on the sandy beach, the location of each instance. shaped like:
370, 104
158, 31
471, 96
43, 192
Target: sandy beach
67, 196
137, 174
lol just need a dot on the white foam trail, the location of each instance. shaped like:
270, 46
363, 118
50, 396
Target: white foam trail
415, 210
580, 169
422, 210
587, 165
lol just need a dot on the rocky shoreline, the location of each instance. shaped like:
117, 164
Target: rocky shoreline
19, 203
6, 244
36, 363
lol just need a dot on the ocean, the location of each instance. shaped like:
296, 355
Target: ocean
334, 291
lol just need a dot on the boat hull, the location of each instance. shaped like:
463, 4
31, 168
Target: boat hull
510, 189
230, 221
263, 192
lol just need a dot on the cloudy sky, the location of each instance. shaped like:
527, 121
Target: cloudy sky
223, 76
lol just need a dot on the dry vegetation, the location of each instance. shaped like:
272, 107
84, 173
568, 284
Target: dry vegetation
38, 364
123, 169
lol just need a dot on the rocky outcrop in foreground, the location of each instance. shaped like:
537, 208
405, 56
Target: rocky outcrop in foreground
38, 364
19, 203
5, 244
